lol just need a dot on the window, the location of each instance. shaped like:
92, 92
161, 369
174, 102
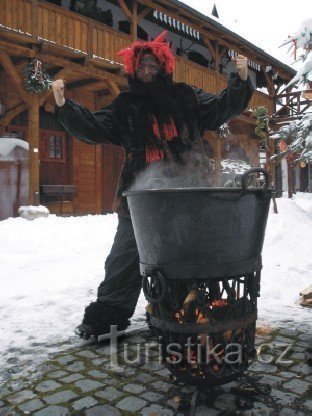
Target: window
52, 146
55, 147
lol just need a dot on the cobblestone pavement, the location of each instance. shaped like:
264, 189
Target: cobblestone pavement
82, 382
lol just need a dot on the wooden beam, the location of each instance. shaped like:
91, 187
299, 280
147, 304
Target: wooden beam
134, 21
207, 43
33, 139
58, 50
16, 50
113, 87
125, 9
82, 83
143, 14
83, 69
269, 82
105, 65
220, 52
8, 33
14, 76
11, 113
87, 70
20, 65
45, 95
217, 61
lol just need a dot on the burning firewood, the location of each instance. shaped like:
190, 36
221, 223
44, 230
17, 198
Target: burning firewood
190, 307
191, 297
219, 303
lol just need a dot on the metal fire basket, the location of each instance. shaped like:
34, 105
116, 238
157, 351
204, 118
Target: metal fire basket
200, 257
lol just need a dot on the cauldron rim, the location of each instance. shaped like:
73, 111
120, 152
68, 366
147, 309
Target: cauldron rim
236, 190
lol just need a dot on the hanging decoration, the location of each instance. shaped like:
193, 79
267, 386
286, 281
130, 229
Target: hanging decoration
262, 129
36, 79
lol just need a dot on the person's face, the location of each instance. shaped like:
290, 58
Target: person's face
148, 68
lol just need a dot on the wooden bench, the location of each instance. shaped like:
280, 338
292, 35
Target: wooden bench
59, 191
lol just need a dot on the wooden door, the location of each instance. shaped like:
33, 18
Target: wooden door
113, 157
87, 177
53, 156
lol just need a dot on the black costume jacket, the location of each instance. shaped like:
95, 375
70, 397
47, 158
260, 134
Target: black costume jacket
198, 110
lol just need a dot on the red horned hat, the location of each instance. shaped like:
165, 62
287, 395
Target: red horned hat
158, 47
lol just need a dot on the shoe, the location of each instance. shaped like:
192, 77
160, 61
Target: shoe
98, 318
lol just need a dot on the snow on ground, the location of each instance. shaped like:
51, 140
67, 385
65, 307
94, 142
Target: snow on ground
50, 269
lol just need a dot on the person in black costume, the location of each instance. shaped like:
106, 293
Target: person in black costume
158, 123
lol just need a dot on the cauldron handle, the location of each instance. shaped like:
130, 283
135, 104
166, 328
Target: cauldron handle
159, 278
255, 170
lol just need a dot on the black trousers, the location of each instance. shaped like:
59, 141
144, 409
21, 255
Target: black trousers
122, 283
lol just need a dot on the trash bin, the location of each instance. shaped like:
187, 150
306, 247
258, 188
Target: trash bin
14, 174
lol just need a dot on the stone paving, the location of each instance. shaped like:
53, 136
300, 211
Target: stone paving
83, 382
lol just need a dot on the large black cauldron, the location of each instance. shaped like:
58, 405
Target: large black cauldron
198, 232
200, 255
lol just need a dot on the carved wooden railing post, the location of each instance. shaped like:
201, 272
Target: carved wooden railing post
134, 23
34, 18
90, 46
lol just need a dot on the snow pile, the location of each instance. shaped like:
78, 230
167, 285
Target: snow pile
31, 212
34, 208
287, 260
234, 166
8, 145
50, 269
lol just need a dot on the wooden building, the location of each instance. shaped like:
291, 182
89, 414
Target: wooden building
78, 41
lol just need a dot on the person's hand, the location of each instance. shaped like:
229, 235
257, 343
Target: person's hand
58, 90
241, 63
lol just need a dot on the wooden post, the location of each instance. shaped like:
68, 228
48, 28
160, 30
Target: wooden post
33, 139
125, 9
13, 75
270, 84
143, 13
90, 39
134, 21
34, 18
290, 177
270, 166
208, 44
217, 58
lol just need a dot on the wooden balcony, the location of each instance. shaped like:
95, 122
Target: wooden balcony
293, 105
40, 22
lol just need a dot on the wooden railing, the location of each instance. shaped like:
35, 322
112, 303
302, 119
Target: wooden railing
293, 105
43, 21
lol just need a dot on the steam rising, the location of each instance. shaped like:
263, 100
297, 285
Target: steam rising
195, 171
